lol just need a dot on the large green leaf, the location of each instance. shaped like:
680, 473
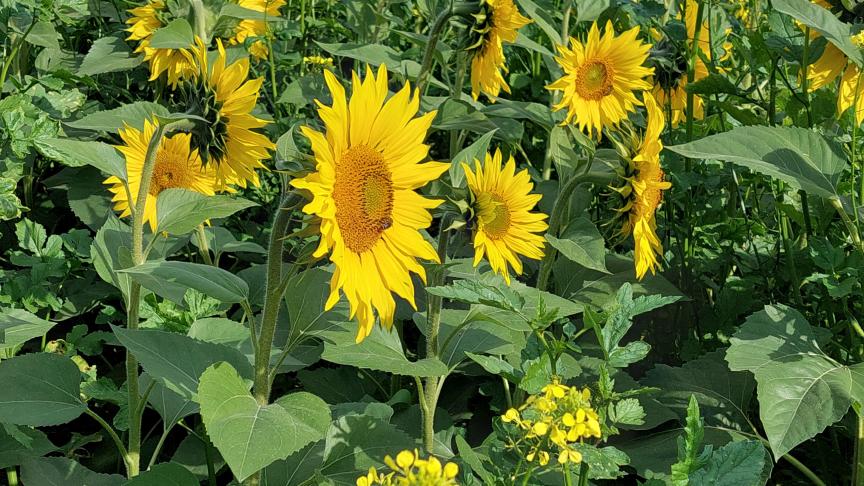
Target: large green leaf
106, 55
166, 474
462, 332
17, 444
305, 296
356, 442
249, 435
180, 211
823, 21
800, 157
176, 35
111, 252
170, 405
76, 153
61, 471
17, 326
177, 361
381, 350
801, 390
743, 463
581, 243
171, 280
475, 151
40, 389
112, 120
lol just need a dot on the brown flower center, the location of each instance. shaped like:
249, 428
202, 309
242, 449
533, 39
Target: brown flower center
594, 80
363, 194
170, 171
493, 215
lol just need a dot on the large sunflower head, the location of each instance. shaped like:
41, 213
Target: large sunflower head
177, 166
642, 192
179, 64
504, 226
363, 192
256, 29
228, 137
600, 77
495, 22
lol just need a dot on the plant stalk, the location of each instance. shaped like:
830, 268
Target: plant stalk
429, 53
433, 324
135, 410
203, 246
555, 221
12, 476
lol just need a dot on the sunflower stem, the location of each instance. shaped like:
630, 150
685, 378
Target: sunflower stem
199, 13
203, 246
133, 451
272, 299
433, 323
429, 53
555, 221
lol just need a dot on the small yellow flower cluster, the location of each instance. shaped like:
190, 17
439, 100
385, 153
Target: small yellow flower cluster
553, 421
319, 61
858, 39
409, 470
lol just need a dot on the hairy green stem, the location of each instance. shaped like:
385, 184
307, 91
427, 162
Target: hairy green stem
113, 434
272, 299
203, 246
134, 444
429, 53
12, 476
433, 324
850, 225
555, 221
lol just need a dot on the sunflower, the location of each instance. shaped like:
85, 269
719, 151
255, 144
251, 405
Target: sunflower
496, 22
670, 86
178, 63
224, 97
643, 192
600, 76
177, 166
505, 226
247, 28
363, 193
830, 65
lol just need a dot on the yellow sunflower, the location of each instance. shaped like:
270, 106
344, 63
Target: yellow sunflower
179, 64
644, 192
831, 64
496, 23
225, 97
505, 227
247, 28
672, 89
600, 77
363, 192
177, 166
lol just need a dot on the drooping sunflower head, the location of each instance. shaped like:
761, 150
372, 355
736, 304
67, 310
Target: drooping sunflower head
504, 226
601, 76
177, 166
363, 193
256, 29
227, 134
642, 191
178, 64
493, 23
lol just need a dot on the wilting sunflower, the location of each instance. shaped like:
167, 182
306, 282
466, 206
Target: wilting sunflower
224, 96
600, 77
643, 191
670, 86
504, 225
367, 169
831, 64
179, 64
247, 28
177, 166
496, 22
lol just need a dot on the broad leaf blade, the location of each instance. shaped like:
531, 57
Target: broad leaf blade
171, 280
40, 389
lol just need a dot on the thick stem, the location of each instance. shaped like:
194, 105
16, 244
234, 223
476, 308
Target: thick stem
200, 14
272, 300
858, 465
134, 447
429, 53
12, 476
555, 218
850, 225
203, 246
113, 434
433, 324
